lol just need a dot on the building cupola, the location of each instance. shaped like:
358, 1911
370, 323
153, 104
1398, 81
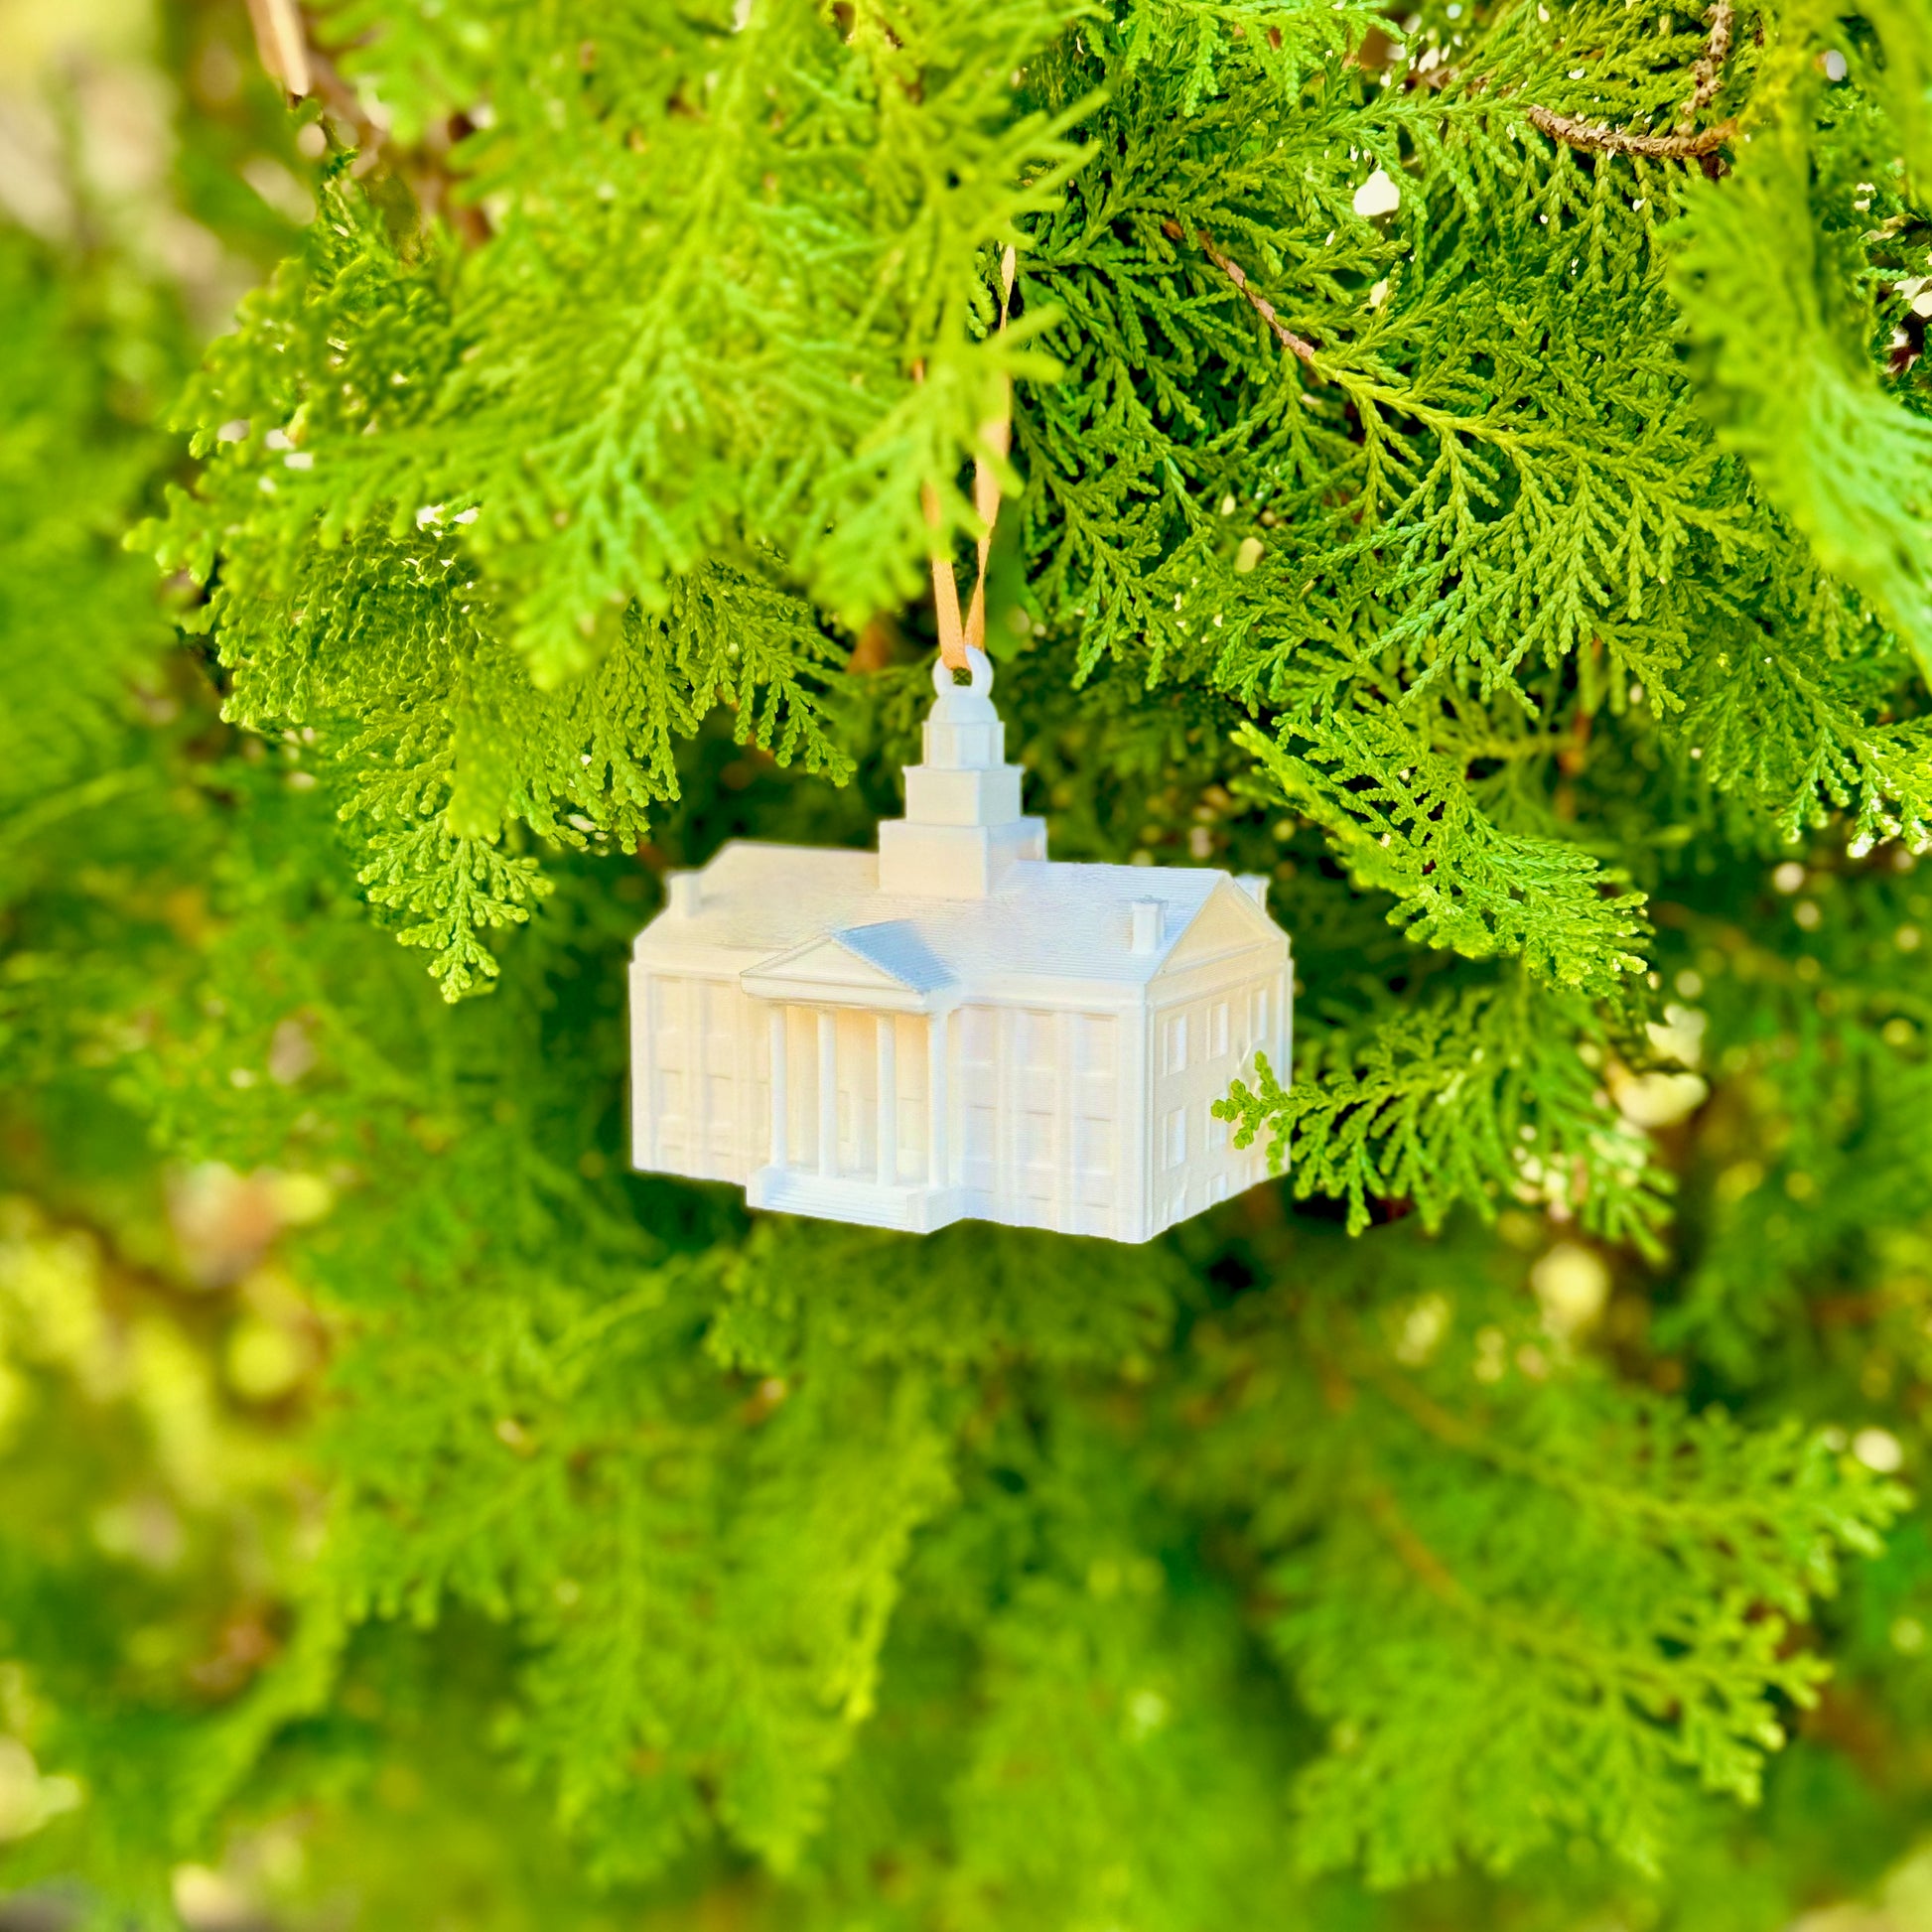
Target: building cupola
963, 825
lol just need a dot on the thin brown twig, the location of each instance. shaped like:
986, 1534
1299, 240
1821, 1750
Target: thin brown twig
1417, 1557
1707, 75
1594, 138
291, 58
281, 41
1261, 304
1685, 144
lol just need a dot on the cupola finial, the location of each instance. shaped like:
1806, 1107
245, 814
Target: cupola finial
963, 731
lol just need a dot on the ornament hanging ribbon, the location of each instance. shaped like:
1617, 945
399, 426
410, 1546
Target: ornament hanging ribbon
957, 636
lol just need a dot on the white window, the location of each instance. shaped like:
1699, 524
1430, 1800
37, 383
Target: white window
1217, 1131
1175, 1036
1218, 1029
1257, 1015
1176, 1137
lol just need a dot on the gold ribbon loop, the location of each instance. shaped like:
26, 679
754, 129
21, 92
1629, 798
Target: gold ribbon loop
957, 638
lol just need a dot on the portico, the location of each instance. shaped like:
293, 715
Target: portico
860, 1097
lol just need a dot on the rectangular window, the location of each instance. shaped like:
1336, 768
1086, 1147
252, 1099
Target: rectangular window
1217, 1131
1037, 1152
1219, 1029
1175, 1034
1257, 1014
720, 1101
1093, 1160
1176, 1137
1040, 1041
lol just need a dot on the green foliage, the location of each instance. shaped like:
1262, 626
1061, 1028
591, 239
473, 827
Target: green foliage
1795, 392
1455, 473
1429, 1108
78, 452
1405, 823
1638, 1571
382, 637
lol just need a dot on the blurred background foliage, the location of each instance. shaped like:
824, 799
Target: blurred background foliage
410, 1518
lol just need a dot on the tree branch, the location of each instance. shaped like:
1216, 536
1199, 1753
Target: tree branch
1708, 75
1289, 340
1685, 144
1594, 138
1417, 1557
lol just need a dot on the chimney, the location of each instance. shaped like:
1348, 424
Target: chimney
1255, 885
686, 894
1145, 914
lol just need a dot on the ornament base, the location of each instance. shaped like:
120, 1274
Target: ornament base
842, 1197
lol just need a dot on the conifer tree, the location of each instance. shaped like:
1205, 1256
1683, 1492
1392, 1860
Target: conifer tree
1472, 464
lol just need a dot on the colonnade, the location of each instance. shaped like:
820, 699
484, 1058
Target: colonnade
887, 1089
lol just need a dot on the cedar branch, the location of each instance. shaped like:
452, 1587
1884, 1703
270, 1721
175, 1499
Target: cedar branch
1417, 1557
1682, 145
1261, 304
1708, 75
1594, 138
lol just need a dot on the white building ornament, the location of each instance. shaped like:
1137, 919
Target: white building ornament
957, 1027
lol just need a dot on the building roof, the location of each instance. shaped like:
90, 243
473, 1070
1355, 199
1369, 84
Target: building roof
972, 906
769, 906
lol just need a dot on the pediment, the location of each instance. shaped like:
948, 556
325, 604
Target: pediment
889, 961
1228, 922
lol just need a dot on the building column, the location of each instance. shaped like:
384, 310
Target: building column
1134, 1127
887, 1108
937, 1163
1066, 1110
780, 1092
1009, 1182
646, 1100
828, 1092
697, 1007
